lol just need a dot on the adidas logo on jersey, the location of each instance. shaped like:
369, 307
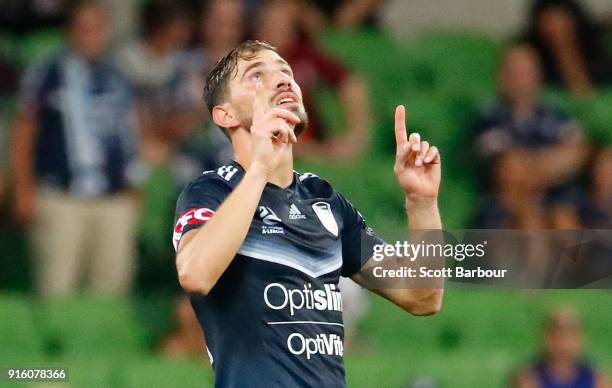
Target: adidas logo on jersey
295, 213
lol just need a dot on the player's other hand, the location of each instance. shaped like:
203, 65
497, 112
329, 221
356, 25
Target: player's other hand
271, 130
417, 164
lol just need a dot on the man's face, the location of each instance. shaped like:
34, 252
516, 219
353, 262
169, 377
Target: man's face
520, 74
90, 31
563, 343
277, 85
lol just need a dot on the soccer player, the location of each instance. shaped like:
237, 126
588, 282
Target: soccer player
260, 247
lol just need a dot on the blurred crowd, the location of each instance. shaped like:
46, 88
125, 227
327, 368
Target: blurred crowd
542, 171
99, 118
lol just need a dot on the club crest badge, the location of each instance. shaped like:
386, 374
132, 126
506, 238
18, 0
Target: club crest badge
324, 212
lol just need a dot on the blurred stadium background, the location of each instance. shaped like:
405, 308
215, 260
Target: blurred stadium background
444, 71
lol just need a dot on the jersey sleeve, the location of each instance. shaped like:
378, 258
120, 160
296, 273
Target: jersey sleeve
358, 239
196, 205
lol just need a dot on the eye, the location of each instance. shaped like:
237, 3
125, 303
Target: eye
256, 75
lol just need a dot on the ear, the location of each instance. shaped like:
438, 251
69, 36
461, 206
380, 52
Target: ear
224, 116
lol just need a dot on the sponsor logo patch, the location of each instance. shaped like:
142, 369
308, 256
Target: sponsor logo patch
190, 217
295, 213
325, 344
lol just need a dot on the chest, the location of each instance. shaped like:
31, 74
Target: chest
95, 93
301, 233
312, 220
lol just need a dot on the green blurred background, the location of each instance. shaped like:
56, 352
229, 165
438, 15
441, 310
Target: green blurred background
479, 338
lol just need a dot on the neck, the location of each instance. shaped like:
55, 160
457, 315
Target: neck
563, 368
281, 176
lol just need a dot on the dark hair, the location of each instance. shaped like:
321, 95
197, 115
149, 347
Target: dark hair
587, 32
215, 88
158, 14
73, 7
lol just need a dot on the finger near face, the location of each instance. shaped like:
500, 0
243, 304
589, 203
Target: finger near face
287, 115
291, 138
280, 130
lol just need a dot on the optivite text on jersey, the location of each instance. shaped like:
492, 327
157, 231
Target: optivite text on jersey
330, 344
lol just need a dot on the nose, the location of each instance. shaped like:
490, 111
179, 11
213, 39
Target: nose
283, 81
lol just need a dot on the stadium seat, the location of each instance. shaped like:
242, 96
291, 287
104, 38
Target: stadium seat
38, 44
598, 118
167, 373
90, 326
464, 62
20, 338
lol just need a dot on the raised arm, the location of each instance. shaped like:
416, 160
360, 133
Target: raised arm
418, 172
204, 254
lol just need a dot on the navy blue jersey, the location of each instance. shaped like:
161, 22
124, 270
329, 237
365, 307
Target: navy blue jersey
274, 318
86, 139
584, 378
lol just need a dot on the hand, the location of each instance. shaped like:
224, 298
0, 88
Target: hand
417, 164
270, 130
25, 203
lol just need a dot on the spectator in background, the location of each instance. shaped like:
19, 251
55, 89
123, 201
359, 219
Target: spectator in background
569, 45
204, 146
597, 211
74, 160
341, 14
221, 28
27, 15
277, 24
562, 363
535, 150
152, 65
8, 84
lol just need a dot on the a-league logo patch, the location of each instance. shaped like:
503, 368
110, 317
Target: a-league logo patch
271, 220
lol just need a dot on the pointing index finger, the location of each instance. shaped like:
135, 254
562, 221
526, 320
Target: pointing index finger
259, 105
400, 126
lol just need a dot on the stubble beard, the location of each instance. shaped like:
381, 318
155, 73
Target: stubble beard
299, 128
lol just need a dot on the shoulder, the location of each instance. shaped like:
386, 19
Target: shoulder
42, 76
47, 63
318, 187
206, 179
222, 177
525, 376
315, 185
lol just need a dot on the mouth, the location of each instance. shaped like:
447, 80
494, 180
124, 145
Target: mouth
287, 99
